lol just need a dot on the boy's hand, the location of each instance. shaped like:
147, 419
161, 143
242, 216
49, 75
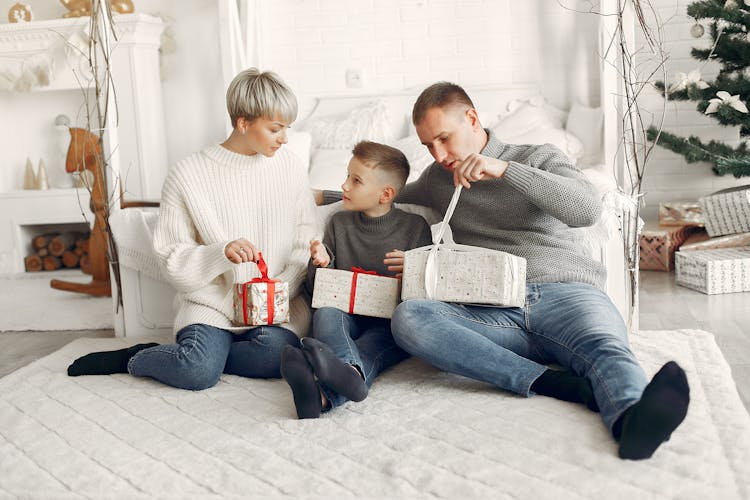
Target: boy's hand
241, 250
476, 167
318, 254
395, 262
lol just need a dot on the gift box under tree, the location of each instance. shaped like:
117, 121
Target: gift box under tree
356, 292
723, 270
727, 211
658, 245
261, 301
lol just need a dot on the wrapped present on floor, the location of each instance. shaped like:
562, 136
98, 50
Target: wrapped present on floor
727, 211
261, 301
681, 213
658, 245
464, 274
357, 292
722, 270
701, 241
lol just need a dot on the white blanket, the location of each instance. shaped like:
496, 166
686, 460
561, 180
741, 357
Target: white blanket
420, 433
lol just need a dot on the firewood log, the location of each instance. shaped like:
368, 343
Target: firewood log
42, 252
51, 262
42, 240
62, 242
33, 263
85, 263
85, 245
78, 251
70, 259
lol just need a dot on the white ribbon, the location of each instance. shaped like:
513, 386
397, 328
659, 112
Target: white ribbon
440, 232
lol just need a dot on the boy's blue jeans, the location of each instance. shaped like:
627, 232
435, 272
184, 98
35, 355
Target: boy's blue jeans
202, 353
570, 324
361, 341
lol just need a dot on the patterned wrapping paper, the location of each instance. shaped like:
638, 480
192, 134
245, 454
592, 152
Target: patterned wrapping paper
658, 246
681, 213
727, 211
254, 298
723, 270
706, 243
470, 275
374, 295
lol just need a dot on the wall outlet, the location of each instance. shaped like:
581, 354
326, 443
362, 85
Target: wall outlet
354, 78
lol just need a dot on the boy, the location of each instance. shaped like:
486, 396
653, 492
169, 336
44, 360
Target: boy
348, 351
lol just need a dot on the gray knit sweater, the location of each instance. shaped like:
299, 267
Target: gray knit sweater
528, 212
354, 239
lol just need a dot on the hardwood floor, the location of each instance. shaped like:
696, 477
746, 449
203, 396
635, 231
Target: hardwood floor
663, 306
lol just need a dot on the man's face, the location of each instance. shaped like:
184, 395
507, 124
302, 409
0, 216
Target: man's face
449, 133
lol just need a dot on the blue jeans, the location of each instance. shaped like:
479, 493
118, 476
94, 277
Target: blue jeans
202, 353
573, 325
361, 341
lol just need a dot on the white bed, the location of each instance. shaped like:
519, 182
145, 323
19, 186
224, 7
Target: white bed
323, 140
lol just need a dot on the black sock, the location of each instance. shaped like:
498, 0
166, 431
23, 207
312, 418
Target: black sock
648, 423
105, 363
567, 386
332, 372
299, 375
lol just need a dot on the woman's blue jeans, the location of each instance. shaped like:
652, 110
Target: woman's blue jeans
573, 325
360, 341
202, 353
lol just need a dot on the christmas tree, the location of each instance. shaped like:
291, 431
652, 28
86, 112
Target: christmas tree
724, 99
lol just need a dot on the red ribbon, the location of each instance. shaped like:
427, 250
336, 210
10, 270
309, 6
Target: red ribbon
353, 293
270, 290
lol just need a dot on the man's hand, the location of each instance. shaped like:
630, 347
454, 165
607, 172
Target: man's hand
318, 254
476, 167
395, 262
241, 250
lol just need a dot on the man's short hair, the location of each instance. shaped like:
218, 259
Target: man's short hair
439, 95
386, 158
253, 94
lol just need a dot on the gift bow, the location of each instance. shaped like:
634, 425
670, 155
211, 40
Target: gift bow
353, 293
270, 290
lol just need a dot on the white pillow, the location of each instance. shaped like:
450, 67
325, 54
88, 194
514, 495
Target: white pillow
417, 154
299, 143
586, 124
366, 122
328, 168
532, 123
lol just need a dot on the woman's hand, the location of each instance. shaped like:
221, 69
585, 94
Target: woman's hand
241, 250
395, 262
318, 254
476, 167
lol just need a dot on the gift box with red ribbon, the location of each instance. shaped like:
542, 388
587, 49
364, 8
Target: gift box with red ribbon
261, 301
357, 292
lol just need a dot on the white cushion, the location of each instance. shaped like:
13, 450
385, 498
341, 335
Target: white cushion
366, 122
586, 124
328, 168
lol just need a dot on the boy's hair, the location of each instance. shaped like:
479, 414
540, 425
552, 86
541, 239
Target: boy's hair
381, 157
253, 94
439, 95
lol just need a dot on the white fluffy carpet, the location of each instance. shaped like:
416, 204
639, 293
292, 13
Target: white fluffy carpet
420, 434
29, 303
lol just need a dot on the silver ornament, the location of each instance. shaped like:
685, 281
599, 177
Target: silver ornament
697, 30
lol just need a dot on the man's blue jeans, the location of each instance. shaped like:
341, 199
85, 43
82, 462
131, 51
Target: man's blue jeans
360, 341
573, 325
202, 353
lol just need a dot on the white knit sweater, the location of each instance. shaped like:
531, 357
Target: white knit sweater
215, 196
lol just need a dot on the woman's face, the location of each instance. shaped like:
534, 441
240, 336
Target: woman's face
263, 135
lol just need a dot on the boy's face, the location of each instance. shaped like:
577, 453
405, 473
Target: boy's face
363, 187
449, 134
263, 135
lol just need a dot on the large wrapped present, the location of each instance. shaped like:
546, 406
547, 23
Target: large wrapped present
722, 270
261, 301
681, 213
701, 241
460, 273
727, 211
658, 245
357, 292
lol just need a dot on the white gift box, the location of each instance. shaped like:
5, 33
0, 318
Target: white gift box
721, 270
461, 273
727, 211
261, 301
356, 292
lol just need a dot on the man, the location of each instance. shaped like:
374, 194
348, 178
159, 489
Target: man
523, 200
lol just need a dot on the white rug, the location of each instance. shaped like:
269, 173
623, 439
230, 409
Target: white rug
420, 434
29, 303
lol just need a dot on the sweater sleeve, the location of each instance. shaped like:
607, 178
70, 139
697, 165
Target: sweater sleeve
188, 264
307, 228
549, 181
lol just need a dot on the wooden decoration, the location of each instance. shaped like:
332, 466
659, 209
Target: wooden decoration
20, 13
80, 8
85, 153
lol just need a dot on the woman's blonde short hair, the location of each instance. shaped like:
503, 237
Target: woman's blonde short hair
254, 94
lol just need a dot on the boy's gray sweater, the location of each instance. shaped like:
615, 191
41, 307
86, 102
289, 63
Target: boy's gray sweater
354, 239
